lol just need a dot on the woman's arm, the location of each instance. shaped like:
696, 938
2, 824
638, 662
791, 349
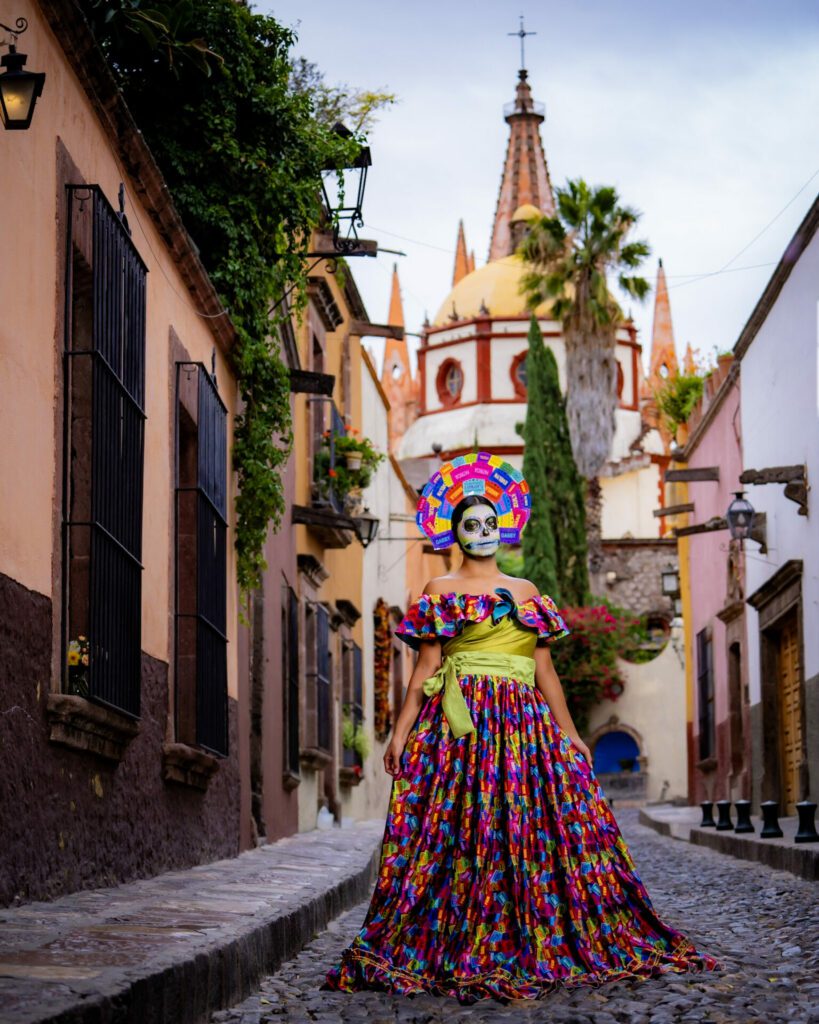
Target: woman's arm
548, 682
427, 664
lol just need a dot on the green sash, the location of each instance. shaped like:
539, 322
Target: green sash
495, 663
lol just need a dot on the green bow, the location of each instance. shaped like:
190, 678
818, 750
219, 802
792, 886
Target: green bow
454, 665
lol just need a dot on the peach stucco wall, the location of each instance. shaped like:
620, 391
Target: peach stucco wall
31, 294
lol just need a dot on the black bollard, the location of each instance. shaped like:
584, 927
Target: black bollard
724, 821
744, 823
770, 820
707, 817
807, 830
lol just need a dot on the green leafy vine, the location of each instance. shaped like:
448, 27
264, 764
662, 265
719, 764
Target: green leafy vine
239, 142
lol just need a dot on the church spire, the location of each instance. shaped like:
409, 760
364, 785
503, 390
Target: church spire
525, 179
663, 352
461, 257
396, 316
401, 388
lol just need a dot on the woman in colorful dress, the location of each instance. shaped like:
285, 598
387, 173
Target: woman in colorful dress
503, 872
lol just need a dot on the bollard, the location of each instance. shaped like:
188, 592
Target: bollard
724, 822
807, 830
744, 823
770, 820
707, 817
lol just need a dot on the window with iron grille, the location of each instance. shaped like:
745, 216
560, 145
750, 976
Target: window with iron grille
290, 675
705, 693
201, 560
103, 455
353, 690
323, 679
326, 457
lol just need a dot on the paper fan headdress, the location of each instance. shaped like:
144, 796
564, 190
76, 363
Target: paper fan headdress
481, 474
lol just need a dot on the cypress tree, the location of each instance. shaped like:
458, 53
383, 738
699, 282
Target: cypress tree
558, 545
538, 540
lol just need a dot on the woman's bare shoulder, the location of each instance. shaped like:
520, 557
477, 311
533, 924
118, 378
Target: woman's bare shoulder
521, 588
439, 585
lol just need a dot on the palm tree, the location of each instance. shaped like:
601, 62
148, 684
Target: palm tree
569, 257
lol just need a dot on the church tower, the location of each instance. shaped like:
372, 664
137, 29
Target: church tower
472, 359
525, 180
663, 360
400, 387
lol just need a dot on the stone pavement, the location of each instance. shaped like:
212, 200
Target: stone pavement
172, 949
762, 924
682, 822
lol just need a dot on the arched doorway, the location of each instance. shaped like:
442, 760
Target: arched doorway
613, 752
619, 763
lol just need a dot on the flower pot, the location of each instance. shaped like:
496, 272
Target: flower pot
353, 502
353, 460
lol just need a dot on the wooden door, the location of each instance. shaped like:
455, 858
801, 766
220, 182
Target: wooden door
790, 712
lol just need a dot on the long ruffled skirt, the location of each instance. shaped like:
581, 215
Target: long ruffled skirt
503, 872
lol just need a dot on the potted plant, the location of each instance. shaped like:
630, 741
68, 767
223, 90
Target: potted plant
353, 501
78, 663
351, 470
354, 736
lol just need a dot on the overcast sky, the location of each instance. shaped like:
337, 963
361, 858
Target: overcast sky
703, 115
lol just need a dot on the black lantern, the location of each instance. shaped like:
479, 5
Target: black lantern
19, 89
671, 580
740, 516
343, 192
366, 527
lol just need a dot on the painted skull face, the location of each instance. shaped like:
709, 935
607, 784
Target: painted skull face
477, 532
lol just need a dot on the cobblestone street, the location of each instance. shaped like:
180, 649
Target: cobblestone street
762, 924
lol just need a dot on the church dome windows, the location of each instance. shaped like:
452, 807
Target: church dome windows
517, 371
449, 381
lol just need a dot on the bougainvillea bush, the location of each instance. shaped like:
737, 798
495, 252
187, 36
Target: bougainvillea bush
586, 661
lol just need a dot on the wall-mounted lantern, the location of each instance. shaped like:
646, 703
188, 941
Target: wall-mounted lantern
740, 517
343, 193
366, 527
671, 580
19, 89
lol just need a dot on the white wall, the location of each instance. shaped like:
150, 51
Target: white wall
653, 704
780, 427
384, 575
628, 500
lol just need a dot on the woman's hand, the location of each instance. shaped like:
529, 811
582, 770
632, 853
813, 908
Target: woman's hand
392, 756
581, 746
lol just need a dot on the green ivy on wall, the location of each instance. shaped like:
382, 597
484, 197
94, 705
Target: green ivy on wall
209, 84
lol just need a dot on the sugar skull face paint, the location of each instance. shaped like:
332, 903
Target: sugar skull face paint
478, 534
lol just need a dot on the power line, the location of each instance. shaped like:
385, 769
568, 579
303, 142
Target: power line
699, 274
771, 222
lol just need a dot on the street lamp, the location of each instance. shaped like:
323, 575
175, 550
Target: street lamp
337, 183
671, 580
366, 527
740, 517
19, 89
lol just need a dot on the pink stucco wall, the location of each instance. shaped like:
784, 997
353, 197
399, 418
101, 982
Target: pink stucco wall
720, 446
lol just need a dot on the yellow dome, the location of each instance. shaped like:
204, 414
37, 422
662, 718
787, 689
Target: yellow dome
525, 212
493, 286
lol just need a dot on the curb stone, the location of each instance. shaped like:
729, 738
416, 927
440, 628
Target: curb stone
800, 859
176, 948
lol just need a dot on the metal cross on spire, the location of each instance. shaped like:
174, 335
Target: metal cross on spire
522, 34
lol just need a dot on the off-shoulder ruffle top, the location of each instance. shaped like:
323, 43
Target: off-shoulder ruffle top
441, 616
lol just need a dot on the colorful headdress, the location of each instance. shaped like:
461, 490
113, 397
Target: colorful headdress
482, 474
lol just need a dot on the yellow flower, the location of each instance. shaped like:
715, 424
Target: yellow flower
73, 658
